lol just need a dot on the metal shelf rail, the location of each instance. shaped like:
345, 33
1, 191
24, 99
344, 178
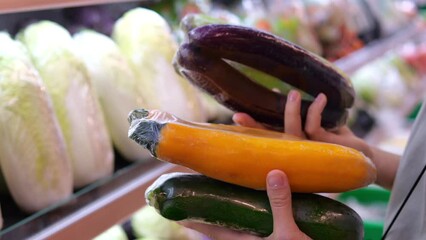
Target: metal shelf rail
93, 209
14, 6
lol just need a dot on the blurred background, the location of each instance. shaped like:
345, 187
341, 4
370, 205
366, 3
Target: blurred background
379, 44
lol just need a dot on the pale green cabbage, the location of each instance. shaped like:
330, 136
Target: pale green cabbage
146, 40
115, 232
33, 155
76, 106
147, 223
116, 86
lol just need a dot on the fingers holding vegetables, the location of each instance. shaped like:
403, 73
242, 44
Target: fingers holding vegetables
195, 197
245, 120
292, 116
342, 136
279, 194
280, 200
312, 129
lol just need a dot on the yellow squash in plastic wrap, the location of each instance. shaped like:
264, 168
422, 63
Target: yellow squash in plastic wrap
244, 156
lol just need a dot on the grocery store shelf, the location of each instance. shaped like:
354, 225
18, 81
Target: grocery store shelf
93, 209
374, 50
14, 6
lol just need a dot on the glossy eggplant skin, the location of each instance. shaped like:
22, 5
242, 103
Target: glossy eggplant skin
233, 89
278, 57
268, 53
185, 196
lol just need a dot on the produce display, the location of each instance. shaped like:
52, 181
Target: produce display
330, 28
65, 101
392, 15
336, 25
69, 80
390, 89
147, 223
415, 55
115, 232
179, 196
152, 66
199, 59
397, 93
116, 85
75, 104
138, 34
286, 19
33, 156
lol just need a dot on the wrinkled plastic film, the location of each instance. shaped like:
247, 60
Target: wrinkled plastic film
145, 127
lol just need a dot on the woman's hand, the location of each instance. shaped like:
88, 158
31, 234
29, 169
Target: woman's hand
285, 227
312, 129
386, 163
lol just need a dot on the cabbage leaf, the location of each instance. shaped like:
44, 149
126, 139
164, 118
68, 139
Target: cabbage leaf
52, 50
146, 40
33, 156
116, 86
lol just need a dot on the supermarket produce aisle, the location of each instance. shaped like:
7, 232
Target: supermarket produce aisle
120, 50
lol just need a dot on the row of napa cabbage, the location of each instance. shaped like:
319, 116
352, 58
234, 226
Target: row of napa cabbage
64, 102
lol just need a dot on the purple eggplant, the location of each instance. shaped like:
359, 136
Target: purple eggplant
201, 59
236, 91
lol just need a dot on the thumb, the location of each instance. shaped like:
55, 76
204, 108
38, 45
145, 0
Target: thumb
280, 199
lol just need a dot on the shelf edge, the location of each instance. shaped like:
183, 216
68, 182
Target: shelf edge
15, 6
108, 210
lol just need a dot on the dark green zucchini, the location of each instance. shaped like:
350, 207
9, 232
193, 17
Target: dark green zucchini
182, 196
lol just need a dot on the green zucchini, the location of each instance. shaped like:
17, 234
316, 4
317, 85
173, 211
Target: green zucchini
184, 196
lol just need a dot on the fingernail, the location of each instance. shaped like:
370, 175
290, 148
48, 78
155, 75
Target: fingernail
320, 98
292, 95
275, 181
183, 223
235, 118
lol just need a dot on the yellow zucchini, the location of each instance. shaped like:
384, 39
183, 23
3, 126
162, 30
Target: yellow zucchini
244, 156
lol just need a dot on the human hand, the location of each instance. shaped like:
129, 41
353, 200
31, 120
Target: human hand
285, 227
312, 129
